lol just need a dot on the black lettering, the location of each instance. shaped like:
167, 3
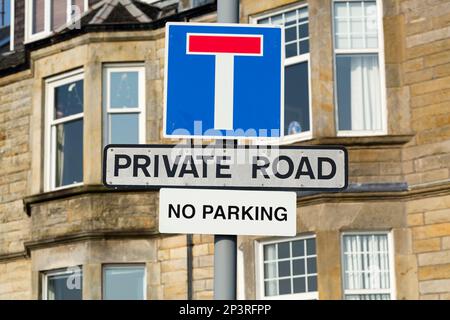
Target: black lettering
220, 167
309, 172
193, 170
207, 209
185, 213
220, 212
262, 168
246, 213
142, 166
281, 216
233, 210
320, 174
290, 167
171, 170
205, 164
118, 166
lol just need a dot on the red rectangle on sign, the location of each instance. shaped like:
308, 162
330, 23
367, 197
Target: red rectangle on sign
224, 44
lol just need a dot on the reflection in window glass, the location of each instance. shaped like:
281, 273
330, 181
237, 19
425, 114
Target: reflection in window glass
38, 16
124, 128
59, 13
124, 283
69, 99
296, 102
358, 92
65, 285
69, 153
288, 270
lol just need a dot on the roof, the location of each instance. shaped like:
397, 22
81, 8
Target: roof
109, 15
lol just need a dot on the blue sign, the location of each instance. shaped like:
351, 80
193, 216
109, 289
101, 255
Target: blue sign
223, 81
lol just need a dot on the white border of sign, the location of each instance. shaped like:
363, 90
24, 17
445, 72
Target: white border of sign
166, 60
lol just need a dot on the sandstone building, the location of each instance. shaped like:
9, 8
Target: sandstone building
372, 75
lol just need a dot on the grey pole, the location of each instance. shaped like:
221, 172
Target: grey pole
225, 247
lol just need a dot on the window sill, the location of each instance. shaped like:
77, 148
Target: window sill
31, 200
360, 141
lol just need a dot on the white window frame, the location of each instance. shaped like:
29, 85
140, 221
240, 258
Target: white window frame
302, 136
46, 274
392, 290
29, 36
140, 110
259, 270
50, 126
124, 265
381, 65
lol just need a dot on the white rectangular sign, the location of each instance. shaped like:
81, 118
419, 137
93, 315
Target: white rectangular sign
228, 212
287, 168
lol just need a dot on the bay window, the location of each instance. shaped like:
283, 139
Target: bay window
63, 284
359, 74
288, 269
45, 16
64, 131
297, 106
124, 104
367, 266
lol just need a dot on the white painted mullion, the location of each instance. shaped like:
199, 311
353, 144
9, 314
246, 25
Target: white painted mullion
48, 16
67, 119
12, 23
142, 98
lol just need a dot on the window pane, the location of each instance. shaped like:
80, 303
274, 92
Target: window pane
296, 99
65, 286
69, 99
283, 250
312, 265
270, 270
69, 153
123, 283
77, 8
356, 26
38, 18
358, 92
284, 286
340, 9
366, 264
368, 297
312, 283
290, 34
296, 28
298, 248
299, 285
124, 128
124, 89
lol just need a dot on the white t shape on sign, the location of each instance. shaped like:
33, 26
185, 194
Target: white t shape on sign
224, 47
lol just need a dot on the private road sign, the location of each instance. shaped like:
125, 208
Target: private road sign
240, 167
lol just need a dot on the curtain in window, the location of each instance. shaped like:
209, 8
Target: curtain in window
365, 93
366, 265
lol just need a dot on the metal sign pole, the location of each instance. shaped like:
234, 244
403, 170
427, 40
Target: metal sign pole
225, 246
